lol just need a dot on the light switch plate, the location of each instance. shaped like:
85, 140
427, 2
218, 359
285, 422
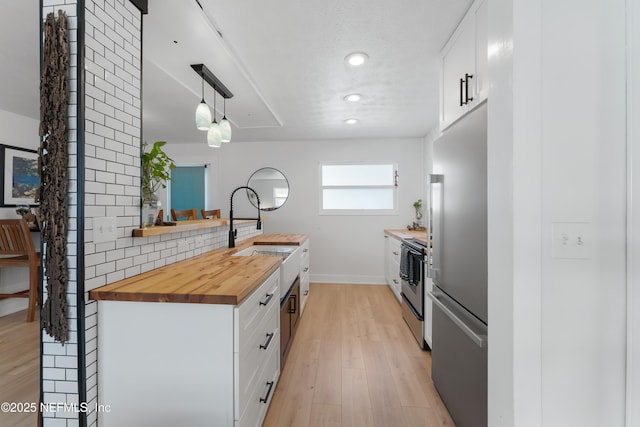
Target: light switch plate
105, 229
572, 240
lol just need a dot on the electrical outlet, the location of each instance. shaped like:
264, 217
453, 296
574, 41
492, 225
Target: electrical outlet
105, 229
572, 240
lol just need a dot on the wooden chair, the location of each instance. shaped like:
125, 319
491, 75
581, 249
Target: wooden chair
17, 250
210, 214
186, 213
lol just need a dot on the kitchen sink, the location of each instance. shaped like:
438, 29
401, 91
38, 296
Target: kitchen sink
267, 250
290, 267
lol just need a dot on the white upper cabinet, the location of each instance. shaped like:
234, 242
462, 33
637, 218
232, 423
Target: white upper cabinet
463, 72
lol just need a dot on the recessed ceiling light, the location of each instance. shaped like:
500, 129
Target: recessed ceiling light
353, 97
351, 121
356, 58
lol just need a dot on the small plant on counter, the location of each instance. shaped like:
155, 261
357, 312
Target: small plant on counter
418, 207
156, 169
155, 173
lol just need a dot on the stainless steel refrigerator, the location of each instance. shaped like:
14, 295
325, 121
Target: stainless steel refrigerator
458, 267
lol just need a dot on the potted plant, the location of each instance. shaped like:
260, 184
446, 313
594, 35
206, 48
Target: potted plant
155, 173
418, 207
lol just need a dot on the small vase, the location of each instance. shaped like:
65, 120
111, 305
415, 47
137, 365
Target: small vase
419, 216
150, 209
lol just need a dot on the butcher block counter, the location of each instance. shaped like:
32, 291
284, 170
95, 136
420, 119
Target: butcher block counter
215, 277
408, 234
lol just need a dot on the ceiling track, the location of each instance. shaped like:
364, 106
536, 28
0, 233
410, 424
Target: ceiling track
213, 81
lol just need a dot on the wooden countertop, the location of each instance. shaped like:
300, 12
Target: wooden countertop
408, 234
280, 239
189, 225
215, 277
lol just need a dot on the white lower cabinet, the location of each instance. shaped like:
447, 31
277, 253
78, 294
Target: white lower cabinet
392, 265
304, 275
168, 364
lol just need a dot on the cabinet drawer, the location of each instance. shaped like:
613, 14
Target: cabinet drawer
304, 258
260, 398
394, 249
249, 314
252, 359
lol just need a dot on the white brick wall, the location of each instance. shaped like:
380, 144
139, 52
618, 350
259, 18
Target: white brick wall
112, 188
59, 363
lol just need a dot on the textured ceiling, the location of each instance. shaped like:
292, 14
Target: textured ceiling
282, 59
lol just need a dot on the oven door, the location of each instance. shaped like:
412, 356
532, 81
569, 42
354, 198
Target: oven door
412, 275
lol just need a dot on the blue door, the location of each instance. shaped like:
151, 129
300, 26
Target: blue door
187, 187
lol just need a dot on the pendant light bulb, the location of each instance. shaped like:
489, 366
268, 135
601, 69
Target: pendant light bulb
203, 113
225, 126
214, 136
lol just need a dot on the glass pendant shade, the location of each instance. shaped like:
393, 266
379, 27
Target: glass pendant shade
214, 136
225, 129
203, 116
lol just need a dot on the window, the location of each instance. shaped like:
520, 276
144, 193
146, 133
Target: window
357, 188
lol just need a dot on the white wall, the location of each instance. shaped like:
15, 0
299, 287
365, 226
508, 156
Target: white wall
556, 154
18, 131
344, 248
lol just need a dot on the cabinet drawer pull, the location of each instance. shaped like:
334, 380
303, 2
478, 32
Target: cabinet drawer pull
395, 281
266, 345
264, 399
267, 299
466, 87
305, 250
395, 253
461, 96
306, 269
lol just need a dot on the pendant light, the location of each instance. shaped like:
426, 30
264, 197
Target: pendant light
225, 126
203, 113
214, 136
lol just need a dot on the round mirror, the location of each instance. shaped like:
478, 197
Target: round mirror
272, 188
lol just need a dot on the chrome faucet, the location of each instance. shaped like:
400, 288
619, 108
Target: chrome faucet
233, 233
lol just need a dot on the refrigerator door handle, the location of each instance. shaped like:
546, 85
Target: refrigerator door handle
434, 230
479, 340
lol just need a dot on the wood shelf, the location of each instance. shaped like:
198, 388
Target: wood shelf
190, 225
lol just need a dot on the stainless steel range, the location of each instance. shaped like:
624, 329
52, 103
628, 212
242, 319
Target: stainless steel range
412, 258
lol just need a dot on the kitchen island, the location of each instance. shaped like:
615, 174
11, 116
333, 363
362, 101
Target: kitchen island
192, 343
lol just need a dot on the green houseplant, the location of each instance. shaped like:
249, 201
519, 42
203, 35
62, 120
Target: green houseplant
155, 173
418, 207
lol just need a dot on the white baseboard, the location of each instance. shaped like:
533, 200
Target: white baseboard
347, 279
13, 305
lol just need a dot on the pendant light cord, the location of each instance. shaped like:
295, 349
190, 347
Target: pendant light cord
214, 105
203, 88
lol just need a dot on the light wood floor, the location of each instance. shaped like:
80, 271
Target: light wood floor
19, 366
354, 362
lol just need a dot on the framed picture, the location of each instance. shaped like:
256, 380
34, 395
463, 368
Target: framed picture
19, 179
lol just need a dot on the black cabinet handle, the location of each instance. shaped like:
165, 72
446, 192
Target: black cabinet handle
267, 299
306, 269
293, 299
264, 399
305, 250
461, 96
466, 87
306, 292
266, 345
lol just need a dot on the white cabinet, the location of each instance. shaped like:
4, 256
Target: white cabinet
392, 264
304, 275
463, 73
168, 364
